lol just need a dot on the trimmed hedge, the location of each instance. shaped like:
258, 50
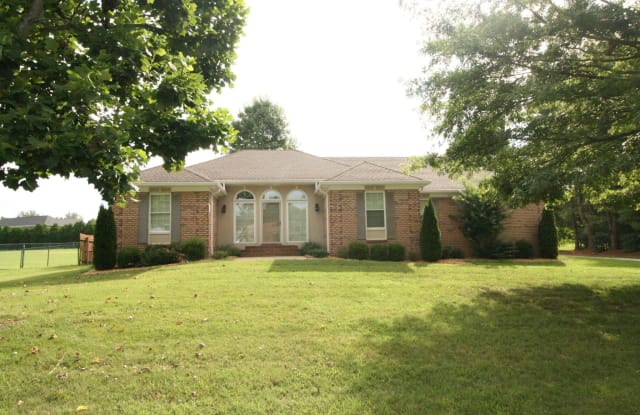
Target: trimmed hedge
358, 250
194, 249
430, 241
160, 255
548, 235
379, 252
396, 252
524, 249
104, 248
129, 256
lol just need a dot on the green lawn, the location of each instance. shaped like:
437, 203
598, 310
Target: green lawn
37, 258
324, 336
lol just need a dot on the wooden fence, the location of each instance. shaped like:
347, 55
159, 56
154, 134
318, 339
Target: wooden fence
86, 249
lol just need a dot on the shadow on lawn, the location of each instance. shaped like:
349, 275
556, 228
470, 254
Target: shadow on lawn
557, 350
68, 276
339, 265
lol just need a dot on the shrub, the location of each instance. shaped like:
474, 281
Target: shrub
104, 248
630, 242
379, 252
413, 256
194, 249
450, 252
220, 254
482, 213
318, 253
160, 255
307, 247
129, 256
343, 252
548, 235
524, 249
396, 252
501, 250
231, 250
358, 250
430, 241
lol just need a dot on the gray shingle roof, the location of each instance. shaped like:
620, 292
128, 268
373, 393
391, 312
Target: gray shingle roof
31, 221
297, 166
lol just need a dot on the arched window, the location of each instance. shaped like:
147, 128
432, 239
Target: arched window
244, 208
297, 221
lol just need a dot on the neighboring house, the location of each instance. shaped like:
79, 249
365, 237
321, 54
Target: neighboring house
269, 202
32, 221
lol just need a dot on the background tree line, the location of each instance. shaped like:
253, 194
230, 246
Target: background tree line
46, 234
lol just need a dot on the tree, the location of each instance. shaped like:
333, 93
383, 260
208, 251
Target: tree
105, 243
27, 213
548, 235
94, 88
430, 238
262, 125
542, 93
482, 212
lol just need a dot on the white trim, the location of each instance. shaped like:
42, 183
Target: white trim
306, 199
246, 201
326, 219
150, 231
384, 215
262, 203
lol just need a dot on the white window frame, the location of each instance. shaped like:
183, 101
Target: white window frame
151, 213
247, 202
384, 211
264, 200
306, 201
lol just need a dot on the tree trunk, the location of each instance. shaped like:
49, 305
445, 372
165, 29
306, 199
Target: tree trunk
588, 228
576, 241
613, 230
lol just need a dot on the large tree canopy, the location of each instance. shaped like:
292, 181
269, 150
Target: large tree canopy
544, 93
262, 125
94, 88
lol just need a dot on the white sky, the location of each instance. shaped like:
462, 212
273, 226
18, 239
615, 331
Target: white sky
337, 67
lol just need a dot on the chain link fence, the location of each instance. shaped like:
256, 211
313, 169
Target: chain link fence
39, 255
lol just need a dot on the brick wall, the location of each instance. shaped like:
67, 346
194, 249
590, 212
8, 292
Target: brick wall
520, 224
194, 216
127, 224
406, 206
343, 219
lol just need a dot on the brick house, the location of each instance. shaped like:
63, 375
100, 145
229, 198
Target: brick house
269, 202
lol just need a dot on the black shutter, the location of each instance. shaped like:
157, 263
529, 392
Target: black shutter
175, 217
143, 217
361, 214
390, 217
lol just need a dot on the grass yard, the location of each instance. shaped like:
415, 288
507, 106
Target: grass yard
324, 336
37, 258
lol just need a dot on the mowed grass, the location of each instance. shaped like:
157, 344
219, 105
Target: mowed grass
37, 258
324, 336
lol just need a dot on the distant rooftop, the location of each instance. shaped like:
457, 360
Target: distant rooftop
31, 221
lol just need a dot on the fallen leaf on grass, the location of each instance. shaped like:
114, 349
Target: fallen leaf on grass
53, 336
62, 375
82, 408
96, 360
156, 395
35, 350
20, 402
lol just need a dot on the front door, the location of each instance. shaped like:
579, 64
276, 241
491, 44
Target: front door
271, 223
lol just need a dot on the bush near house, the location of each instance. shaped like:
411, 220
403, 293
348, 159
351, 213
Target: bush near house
548, 235
396, 252
129, 256
161, 255
524, 249
313, 249
230, 250
379, 252
194, 249
104, 248
453, 253
358, 250
430, 239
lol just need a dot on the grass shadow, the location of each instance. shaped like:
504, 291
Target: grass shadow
330, 265
494, 263
566, 349
75, 275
